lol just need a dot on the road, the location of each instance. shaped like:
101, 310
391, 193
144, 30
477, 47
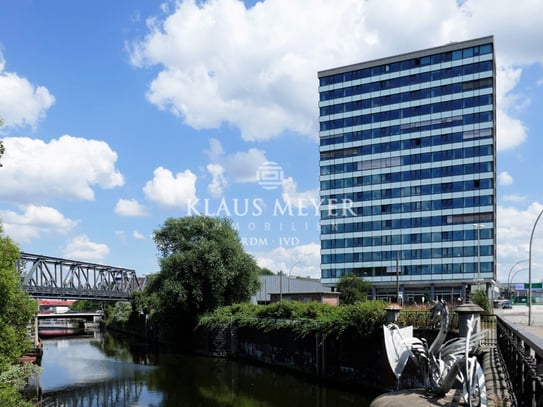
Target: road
519, 315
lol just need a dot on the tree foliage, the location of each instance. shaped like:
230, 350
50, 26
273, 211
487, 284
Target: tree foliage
90, 305
16, 311
16, 306
12, 380
480, 298
352, 289
203, 266
263, 271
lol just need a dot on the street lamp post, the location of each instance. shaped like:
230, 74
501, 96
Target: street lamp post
509, 278
478, 226
513, 277
289, 273
530, 271
280, 285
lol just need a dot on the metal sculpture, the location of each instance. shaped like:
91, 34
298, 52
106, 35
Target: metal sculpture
443, 362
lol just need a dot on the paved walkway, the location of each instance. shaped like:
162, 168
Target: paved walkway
519, 314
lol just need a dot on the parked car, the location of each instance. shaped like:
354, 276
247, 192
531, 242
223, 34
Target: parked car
507, 304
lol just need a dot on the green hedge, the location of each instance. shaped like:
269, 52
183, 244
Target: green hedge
302, 318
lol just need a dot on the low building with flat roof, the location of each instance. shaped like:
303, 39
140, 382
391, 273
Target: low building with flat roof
286, 286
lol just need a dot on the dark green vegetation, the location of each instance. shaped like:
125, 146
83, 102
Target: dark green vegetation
480, 298
302, 318
90, 305
206, 279
352, 289
265, 272
16, 311
202, 266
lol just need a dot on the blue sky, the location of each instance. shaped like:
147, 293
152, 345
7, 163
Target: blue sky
118, 115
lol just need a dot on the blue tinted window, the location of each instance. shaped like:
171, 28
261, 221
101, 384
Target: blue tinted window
376, 71
485, 49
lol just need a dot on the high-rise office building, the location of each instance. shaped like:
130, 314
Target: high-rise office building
407, 172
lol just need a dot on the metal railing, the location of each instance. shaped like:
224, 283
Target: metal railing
522, 353
422, 319
52, 277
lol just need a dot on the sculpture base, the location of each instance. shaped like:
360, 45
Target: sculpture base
416, 398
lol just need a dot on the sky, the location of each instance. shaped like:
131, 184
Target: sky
121, 114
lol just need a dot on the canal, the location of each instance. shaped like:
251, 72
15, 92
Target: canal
101, 371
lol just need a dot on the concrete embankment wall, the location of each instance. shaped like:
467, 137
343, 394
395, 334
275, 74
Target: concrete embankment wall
351, 359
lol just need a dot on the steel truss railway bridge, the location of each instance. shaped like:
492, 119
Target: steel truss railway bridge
51, 277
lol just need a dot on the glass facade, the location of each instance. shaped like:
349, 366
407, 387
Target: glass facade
407, 171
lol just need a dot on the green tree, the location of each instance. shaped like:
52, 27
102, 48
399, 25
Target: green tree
263, 271
89, 305
203, 266
16, 311
479, 297
16, 306
352, 289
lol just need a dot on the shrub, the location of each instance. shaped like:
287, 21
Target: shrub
302, 318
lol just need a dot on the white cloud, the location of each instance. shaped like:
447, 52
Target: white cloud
215, 151
218, 181
227, 168
514, 198
505, 179
303, 260
513, 230
130, 207
511, 132
308, 201
138, 235
67, 167
243, 165
256, 68
21, 102
170, 191
82, 248
33, 222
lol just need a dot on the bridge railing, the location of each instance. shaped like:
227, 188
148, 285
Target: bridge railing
422, 319
522, 352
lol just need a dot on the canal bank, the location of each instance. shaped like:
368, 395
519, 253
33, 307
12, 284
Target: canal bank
359, 360
351, 360
104, 370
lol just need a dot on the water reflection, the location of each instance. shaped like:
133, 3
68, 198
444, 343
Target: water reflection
100, 371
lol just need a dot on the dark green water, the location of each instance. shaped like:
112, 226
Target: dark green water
100, 371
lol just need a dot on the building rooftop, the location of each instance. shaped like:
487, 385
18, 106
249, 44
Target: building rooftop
275, 284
